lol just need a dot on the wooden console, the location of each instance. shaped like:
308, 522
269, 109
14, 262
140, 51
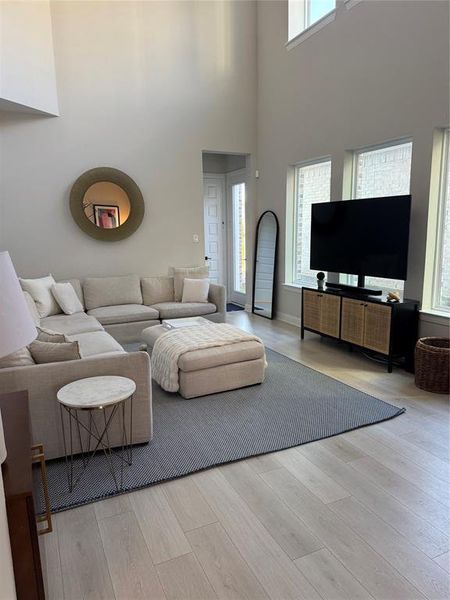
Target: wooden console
389, 329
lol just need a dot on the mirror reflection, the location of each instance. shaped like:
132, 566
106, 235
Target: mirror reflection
106, 204
265, 263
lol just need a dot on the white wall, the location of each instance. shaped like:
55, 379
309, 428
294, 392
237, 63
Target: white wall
27, 69
143, 87
380, 71
223, 163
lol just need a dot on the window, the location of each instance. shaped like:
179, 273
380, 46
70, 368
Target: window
441, 292
312, 184
384, 171
381, 171
304, 13
239, 270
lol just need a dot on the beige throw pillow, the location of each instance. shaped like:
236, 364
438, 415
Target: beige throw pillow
47, 352
21, 358
180, 273
157, 289
46, 335
195, 290
67, 298
41, 292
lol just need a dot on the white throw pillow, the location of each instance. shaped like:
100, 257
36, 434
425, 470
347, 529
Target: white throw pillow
41, 292
32, 308
67, 298
195, 290
180, 273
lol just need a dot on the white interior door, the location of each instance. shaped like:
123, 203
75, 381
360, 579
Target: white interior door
237, 238
213, 199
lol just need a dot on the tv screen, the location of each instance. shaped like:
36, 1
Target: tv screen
362, 237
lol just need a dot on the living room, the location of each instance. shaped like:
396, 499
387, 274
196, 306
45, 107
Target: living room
258, 464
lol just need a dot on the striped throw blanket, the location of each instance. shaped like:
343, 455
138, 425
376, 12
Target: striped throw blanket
171, 345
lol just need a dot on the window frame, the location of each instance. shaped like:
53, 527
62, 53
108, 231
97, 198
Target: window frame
292, 216
308, 28
444, 175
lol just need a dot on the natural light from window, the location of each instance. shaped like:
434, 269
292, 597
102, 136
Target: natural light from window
442, 268
304, 13
312, 184
239, 270
381, 171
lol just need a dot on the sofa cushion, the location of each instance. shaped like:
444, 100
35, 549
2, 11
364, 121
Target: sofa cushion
175, 310
41, 291
157, 289
71, 324
179, 274
94, 343
123, 313
111, 291
223, 355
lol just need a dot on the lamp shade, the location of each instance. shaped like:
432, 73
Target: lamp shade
17, 327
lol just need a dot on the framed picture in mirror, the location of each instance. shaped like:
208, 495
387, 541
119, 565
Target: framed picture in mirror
107, 217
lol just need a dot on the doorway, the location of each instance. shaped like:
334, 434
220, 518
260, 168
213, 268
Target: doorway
224, 199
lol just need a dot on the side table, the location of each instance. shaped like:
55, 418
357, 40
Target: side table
92, 405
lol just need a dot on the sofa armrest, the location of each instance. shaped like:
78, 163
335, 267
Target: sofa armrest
218, 296
43, 382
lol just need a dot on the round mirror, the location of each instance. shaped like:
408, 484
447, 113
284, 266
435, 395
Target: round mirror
106, 204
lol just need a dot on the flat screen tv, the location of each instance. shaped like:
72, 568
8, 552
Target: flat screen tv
362, 237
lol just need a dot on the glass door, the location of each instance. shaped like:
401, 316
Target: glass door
237, 287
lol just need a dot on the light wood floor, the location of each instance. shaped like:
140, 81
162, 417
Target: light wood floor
359, 516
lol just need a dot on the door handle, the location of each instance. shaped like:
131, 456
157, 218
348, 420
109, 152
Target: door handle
206, 257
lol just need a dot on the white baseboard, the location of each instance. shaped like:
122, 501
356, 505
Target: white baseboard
288, 319
280, 316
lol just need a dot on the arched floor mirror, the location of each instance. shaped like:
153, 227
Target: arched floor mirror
264, 268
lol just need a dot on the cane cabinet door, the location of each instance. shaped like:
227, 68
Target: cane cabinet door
330, 310
352, 329
377, 327
311, 309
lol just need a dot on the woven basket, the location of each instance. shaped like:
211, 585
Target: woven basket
433, 364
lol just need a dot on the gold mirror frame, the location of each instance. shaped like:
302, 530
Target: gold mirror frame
137, 206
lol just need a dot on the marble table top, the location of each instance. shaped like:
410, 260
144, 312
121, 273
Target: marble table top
96, 392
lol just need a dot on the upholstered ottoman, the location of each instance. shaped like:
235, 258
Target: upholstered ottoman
217, 369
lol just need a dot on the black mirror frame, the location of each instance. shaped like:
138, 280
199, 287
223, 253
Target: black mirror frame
275, 260
137, 205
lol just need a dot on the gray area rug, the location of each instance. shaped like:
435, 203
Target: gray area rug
295, 405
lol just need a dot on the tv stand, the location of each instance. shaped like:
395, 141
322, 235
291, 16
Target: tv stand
386, 328
353, 289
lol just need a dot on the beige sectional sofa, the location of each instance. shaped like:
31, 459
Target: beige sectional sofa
117, 309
